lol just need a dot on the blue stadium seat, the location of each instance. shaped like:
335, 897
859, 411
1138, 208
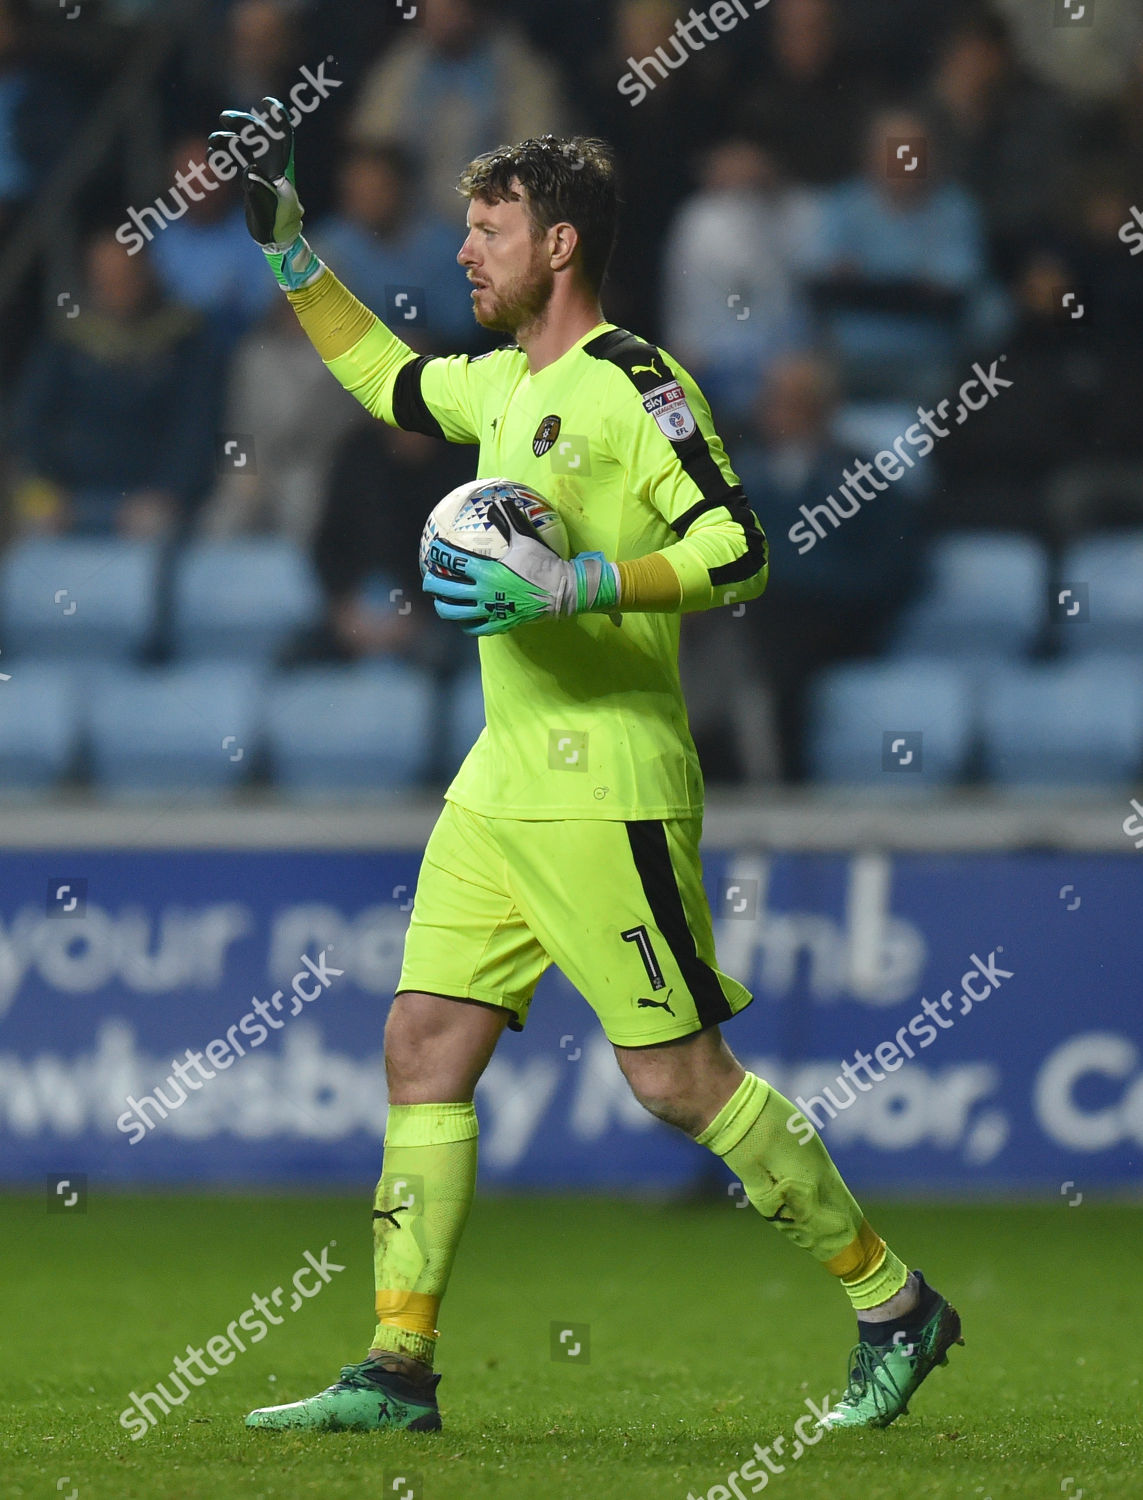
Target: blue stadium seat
69, 596
241, 599
39, 725
866, 427
361, 729
865, 718
1109, 566
182, 731
987, 597
464, 719
1065, 723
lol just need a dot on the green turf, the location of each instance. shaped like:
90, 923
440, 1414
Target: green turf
707, 1333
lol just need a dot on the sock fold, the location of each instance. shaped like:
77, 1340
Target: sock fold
736, 1116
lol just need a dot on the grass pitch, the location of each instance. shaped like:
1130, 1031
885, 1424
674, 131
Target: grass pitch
704, 1334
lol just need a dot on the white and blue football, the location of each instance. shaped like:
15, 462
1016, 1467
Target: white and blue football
466, 519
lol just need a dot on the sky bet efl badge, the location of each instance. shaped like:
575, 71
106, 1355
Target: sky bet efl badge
546, 434
668, 405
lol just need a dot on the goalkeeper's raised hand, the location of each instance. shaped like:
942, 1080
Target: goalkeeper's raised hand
528, 582
273, 209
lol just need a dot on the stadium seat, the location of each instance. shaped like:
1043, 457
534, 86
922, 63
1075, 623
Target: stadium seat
362, 729
241, 599
1064, 723
865, 719
182, 731
866, 427
39, 726
70, 596
987, 597
1108, 568
464, 719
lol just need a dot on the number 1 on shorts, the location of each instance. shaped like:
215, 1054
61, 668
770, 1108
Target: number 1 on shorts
650, 962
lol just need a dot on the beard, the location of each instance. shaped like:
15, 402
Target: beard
522, 301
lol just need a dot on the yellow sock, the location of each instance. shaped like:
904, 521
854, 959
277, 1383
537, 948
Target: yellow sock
427, 1184
792, 1181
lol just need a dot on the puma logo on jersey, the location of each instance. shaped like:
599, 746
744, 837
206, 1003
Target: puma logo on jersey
391, 1213
643, 1004
650, 369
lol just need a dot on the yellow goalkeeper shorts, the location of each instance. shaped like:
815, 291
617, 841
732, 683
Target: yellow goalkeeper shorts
619, 907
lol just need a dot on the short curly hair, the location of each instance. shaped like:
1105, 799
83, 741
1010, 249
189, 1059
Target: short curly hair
565, 179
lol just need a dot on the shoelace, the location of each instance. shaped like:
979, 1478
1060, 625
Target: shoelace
866, 1365
363, 1377
353, 1377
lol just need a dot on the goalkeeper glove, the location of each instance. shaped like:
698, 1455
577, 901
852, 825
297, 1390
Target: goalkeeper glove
528, 582
273, 209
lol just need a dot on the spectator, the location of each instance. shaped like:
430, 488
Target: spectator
381, 243
807, 101
351, 37
730, 705
205, 257
658, 141
996, 467
901, 275
1127, 126
288, 416
1090, 57
890, 42
451, 88
730, 300
560, 31
262, 51
255, 48
382, 486
118, 407
37, 112
1000, 133
1107, 274
838, 597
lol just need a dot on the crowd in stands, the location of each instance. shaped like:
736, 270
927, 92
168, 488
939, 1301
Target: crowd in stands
831, 216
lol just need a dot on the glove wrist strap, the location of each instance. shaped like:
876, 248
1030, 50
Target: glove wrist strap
596, 583
294, 265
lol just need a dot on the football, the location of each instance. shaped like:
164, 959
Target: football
466, 520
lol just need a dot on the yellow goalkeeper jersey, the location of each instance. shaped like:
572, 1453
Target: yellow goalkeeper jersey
584, 717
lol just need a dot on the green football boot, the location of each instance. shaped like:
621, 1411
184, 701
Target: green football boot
367, 1398
883, 1376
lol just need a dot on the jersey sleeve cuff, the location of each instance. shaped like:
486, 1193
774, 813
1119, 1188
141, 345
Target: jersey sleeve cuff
369, 369
333, 318
664, 583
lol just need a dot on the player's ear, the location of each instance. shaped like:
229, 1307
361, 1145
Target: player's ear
563, 239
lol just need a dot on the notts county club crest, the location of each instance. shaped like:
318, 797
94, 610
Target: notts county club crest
546, 434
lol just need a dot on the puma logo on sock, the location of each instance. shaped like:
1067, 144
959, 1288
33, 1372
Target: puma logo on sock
391, 1213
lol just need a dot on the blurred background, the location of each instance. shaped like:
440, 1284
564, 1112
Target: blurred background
226, 712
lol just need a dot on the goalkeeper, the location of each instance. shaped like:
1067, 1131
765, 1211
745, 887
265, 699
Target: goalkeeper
570, 835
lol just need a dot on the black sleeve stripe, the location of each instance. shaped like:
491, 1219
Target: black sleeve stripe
626, 351
631, 355
410, 409
752, 561
757, 553
682, 524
